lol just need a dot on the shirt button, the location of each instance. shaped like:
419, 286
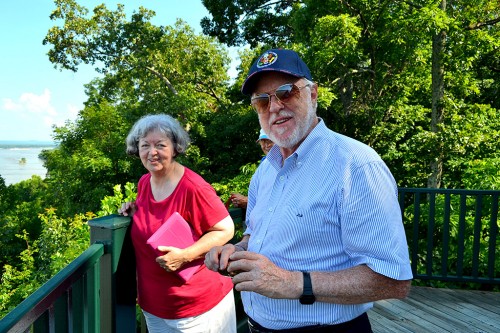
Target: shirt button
270, 209
282, 178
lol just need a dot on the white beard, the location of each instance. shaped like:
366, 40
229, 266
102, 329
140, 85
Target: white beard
303, 127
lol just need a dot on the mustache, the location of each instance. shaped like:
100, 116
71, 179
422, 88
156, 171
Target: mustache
280, 114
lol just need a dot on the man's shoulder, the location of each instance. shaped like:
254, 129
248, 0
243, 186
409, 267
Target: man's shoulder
343, 150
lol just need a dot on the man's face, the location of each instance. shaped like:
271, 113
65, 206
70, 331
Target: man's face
266, 145
287, 123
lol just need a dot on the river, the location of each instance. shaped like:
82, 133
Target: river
19, 161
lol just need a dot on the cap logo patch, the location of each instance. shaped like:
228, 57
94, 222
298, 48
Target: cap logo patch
267, 59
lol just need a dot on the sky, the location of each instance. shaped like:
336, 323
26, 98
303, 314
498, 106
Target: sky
34, 95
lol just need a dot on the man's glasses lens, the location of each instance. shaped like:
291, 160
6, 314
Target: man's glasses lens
283, 94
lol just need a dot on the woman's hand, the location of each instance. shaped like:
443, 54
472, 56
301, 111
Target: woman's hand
172, 260
127, 209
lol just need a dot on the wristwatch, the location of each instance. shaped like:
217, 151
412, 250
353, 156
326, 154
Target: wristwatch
307, 297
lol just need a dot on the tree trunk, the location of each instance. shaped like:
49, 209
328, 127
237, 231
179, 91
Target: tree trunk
438, 48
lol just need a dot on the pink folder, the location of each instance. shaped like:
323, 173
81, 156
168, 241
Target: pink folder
175, 231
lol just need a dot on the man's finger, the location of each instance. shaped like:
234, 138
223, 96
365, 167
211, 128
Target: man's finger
245, 255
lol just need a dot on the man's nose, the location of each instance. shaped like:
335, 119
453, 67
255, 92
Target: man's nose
275, 104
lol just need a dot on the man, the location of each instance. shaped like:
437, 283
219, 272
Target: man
265, 143
324, 235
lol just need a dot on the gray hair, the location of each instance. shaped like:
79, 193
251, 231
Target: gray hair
162, 123
310, 84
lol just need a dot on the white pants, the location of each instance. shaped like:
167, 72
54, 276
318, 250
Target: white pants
220, 319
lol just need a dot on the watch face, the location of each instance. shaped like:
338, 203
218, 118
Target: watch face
307, 299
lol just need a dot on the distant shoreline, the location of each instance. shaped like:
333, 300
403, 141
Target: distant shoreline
26, 144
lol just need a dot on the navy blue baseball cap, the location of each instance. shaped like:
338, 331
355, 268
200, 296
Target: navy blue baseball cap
275, 60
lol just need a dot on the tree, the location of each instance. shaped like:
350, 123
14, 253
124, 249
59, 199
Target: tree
382, 63
60, 242
136, 49
20, 204
146, 69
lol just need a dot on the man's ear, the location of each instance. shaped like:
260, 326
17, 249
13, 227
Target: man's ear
314, 93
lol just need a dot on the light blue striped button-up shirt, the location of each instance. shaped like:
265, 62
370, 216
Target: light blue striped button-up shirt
330, 206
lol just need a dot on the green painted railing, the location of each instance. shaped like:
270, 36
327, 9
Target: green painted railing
71, 296
92, 294
453, 236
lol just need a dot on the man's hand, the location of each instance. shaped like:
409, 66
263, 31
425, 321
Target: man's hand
217, 258
258, 274
239, 200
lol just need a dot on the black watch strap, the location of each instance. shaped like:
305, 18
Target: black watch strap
307, 293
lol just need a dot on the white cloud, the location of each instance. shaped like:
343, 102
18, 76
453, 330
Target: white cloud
29, 103
38, 103
10, 105
32, 116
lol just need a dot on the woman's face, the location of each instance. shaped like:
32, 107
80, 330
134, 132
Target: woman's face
156, 152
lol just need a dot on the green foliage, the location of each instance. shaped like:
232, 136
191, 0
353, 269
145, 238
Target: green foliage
265, 21
60, 242
17, 283
20, 204
238, 184
89, 160
232, 134
481, 173
372, 61
110, 204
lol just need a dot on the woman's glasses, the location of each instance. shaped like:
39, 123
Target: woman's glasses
283, 94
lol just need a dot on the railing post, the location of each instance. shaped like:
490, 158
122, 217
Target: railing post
117, 312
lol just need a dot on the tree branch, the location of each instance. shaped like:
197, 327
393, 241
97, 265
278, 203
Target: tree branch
163, 78
479, 25
412, 4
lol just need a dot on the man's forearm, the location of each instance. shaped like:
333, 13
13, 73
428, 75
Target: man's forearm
356, 285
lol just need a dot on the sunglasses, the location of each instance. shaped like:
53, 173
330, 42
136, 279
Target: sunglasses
283, 94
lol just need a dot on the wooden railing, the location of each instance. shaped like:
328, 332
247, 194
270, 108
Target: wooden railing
453, 235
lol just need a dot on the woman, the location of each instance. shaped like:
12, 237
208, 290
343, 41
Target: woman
205, 302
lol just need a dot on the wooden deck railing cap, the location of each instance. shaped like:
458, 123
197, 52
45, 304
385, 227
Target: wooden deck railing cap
112, 222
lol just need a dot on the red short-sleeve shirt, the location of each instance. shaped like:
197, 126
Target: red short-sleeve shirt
163, 293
